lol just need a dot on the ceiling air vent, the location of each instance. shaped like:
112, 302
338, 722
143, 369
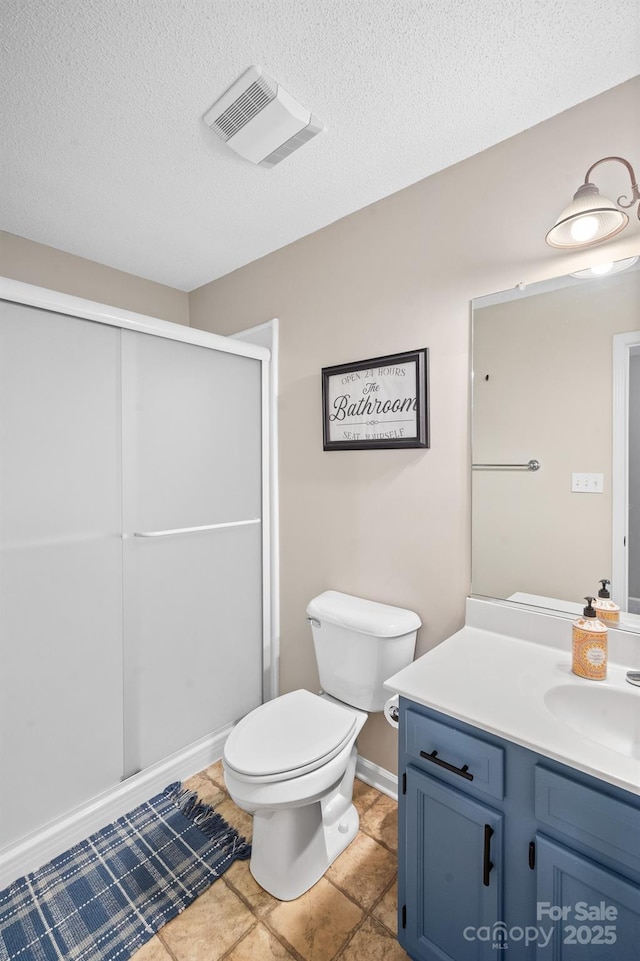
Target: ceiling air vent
260, 120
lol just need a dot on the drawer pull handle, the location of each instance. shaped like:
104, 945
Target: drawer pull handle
462, 771
487, 864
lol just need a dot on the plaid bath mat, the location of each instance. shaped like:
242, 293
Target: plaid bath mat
105, 897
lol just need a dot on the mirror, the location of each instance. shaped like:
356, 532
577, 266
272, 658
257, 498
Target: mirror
556, 380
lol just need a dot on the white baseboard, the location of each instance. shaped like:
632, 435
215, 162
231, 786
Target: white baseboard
377, 777
58, 836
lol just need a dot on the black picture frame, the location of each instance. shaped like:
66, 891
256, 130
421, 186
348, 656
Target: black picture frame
382, 402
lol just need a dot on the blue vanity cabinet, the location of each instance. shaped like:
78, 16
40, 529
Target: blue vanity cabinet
503, 849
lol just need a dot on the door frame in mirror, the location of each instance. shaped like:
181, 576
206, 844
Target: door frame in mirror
623, 345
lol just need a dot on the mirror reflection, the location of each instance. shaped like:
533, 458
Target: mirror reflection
556, 380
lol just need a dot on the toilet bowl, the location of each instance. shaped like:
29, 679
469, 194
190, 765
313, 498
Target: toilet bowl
299, 789
291, 762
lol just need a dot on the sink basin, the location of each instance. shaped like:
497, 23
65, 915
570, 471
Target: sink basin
604, 714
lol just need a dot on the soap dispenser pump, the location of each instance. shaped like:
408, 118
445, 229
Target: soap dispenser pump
589, 645
606, 609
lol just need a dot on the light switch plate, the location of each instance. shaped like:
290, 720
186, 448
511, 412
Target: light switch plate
582, 483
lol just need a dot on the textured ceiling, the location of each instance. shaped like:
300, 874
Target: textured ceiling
104, 153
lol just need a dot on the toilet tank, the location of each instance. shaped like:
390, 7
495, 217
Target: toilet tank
358, 645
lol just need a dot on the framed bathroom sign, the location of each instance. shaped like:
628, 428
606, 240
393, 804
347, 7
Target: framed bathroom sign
377, 403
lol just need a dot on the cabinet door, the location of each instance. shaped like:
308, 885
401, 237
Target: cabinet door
452, 855
585, 912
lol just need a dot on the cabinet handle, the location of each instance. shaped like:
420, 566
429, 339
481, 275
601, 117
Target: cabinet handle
487, 864
462, 771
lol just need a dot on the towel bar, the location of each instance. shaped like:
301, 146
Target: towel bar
530, 465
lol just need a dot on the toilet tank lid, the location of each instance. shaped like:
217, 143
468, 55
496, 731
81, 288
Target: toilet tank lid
365, 617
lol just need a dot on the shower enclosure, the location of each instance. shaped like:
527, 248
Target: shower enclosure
134, 581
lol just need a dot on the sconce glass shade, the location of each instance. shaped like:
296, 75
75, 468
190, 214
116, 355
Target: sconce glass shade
589, 219
604, 270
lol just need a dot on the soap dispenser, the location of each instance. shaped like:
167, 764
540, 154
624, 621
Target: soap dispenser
606, 609
589, 645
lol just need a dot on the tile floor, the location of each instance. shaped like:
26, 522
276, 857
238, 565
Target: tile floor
349, 915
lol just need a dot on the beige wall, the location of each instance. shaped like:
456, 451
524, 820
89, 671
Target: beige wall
549, 396
33, 263
398, 275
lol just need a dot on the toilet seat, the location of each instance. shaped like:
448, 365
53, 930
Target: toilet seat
289, 736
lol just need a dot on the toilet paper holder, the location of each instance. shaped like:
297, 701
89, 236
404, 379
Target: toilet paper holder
392, 711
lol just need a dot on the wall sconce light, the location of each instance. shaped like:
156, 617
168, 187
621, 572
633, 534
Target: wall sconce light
590, 219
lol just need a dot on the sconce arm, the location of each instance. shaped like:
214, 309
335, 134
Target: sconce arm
623, 200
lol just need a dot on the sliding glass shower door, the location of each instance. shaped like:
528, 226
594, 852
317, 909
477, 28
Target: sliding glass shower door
60, 565
132, 611
192, 548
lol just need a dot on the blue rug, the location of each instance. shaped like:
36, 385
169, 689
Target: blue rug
102, 899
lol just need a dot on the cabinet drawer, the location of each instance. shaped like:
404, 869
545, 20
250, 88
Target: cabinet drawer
458, 758
600, 822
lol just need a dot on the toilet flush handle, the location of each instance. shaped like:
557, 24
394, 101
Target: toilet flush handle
314, 622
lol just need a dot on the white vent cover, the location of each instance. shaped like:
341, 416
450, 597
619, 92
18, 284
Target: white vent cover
260, 120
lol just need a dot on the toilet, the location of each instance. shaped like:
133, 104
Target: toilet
291, 762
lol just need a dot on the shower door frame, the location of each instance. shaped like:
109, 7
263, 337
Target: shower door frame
624, 345
56, 836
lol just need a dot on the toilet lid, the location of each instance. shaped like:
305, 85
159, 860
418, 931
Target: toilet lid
290, 735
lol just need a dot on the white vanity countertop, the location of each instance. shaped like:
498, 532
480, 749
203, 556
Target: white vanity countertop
497, 681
